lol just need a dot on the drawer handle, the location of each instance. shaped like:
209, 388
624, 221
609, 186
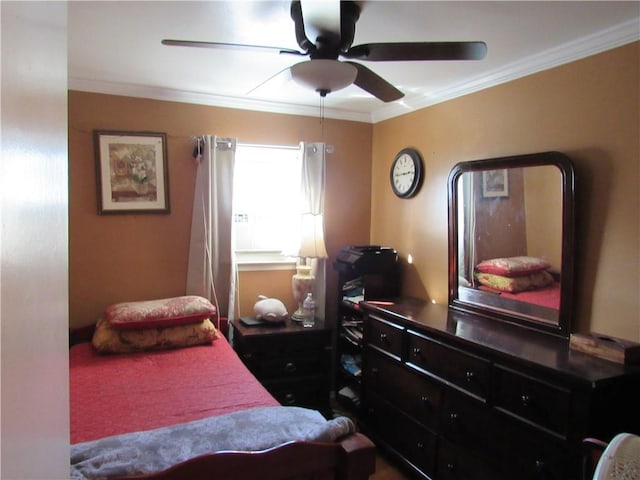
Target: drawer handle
289, 399
424, 399
453, 417
420, 445
416, 351
383, 337
290, 367
525, 400
451, 467
540, 466
375, 372
469, 375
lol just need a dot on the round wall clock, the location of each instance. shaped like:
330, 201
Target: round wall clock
406, 173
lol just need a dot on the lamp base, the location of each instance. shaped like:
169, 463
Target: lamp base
298, 315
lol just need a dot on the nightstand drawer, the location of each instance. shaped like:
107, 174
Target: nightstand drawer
469, 372
310, 392
385, 335
414, 394
543, 404
265, 367
287, 344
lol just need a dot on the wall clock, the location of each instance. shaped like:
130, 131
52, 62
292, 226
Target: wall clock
406, 173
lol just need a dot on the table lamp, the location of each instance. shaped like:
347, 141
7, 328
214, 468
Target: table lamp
311, 246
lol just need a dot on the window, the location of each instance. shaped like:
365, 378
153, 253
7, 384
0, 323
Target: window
266, 204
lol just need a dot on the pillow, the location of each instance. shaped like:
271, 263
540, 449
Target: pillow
513, 266
515, 284
165, 312
107, 339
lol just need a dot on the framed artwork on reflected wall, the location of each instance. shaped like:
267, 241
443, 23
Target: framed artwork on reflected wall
495, 183
131, 172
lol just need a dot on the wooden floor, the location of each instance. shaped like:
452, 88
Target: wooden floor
387, 470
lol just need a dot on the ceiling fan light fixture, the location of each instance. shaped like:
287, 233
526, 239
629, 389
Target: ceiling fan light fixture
324, 75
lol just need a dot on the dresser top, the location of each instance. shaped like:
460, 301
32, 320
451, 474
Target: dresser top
512, 341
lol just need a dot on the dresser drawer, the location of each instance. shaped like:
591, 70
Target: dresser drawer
415, 443
466, 422
457, 464
414, 394
535, 455
545, 405
468, 372
384, 335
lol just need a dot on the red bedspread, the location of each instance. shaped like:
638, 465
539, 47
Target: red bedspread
546, 297
113, 394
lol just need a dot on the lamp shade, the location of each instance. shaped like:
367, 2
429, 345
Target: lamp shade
324, 75
312, 239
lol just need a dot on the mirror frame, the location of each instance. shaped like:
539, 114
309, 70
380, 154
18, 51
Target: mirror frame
562, 327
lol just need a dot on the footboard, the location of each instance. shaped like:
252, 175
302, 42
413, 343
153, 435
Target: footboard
353, 458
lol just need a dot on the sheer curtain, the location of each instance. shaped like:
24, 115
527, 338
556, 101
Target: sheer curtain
313, 186
211, 270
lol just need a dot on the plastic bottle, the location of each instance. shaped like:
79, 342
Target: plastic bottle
309, 309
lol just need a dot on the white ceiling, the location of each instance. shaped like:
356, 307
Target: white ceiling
114, 47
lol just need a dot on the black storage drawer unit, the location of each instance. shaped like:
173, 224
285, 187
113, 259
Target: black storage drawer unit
292, 362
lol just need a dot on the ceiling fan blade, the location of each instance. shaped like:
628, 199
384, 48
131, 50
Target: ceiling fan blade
321, 20
375, 85
389, 52
194, 43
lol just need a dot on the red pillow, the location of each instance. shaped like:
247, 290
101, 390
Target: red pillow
165, 312
513, 266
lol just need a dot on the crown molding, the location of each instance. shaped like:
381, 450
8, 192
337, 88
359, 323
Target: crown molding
608, 39
156, 93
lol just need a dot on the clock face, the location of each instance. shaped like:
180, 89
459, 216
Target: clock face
406, 173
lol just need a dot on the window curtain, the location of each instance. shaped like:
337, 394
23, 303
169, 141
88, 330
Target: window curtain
467, 227
313, 187
211, 269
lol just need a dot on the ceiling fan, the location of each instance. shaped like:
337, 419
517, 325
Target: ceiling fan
325, 31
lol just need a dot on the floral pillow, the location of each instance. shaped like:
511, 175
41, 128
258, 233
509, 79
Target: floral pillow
513, 266
532, 281
160, 313
107, 339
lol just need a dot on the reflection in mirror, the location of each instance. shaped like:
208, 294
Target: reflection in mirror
511, 227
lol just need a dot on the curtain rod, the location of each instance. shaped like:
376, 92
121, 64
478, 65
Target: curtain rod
196, 138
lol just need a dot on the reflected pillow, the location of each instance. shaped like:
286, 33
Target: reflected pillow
531, 281
513, 266
165, 312
107, 339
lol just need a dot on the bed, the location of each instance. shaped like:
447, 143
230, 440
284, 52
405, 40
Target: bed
194, 411
525, 279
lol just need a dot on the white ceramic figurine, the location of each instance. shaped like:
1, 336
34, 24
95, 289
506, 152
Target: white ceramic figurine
270, 309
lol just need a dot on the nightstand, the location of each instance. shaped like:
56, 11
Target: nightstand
291, 361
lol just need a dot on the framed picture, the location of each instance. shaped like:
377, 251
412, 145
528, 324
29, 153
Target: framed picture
131, 172
495, 183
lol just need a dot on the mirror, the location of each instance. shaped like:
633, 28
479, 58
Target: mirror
511, 235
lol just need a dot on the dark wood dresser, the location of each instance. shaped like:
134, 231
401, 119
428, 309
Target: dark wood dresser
459, 396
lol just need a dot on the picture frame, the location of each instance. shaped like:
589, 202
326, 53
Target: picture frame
131, 172
495, 183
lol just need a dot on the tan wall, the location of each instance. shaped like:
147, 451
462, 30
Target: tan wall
589, 110
117, 258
